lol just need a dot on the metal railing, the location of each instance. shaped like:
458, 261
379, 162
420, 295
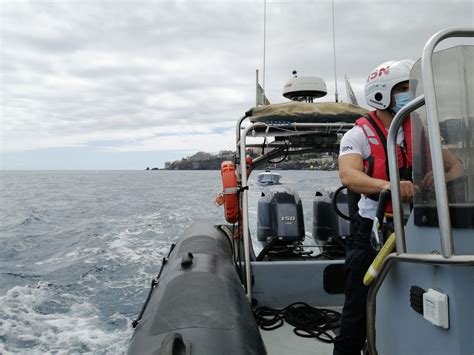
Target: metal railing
447, 257
245, 215
394, 172
434, 135
241, 134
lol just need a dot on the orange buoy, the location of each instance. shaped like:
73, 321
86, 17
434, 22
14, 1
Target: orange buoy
230, 192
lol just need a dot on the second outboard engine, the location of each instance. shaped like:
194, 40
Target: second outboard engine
280, 216
326, 222
331, 214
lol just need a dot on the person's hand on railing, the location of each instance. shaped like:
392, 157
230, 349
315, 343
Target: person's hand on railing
406, 190
453, 169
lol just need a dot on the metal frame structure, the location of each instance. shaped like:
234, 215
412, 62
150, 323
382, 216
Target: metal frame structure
448, 256
266, 130
394, 172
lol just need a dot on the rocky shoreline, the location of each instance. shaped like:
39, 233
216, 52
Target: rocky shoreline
208, 161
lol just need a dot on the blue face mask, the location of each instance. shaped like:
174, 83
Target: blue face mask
401, 99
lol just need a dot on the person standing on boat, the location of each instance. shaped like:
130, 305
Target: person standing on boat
363, 168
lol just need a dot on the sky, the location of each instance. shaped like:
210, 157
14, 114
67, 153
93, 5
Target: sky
131, 84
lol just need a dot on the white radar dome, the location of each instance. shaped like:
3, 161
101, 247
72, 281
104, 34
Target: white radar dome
304, 88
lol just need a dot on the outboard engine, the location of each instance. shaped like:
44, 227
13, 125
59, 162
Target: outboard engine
280, 216
326, 221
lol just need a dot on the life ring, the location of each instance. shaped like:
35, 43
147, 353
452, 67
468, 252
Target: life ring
230, 192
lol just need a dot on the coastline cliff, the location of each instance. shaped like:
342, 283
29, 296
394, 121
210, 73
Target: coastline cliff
208, 161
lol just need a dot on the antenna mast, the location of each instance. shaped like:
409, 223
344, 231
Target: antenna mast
264, 39
334, 50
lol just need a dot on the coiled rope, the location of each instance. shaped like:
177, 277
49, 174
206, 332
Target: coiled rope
309, 322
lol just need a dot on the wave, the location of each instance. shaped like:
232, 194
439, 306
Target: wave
30, 220
44, 321
21, 275
78, 250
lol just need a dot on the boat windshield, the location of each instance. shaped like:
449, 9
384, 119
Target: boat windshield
454, 85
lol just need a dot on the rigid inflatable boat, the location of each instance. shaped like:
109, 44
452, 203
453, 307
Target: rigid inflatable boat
214, 295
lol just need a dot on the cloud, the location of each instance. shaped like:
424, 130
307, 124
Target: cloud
162, 75
185, 141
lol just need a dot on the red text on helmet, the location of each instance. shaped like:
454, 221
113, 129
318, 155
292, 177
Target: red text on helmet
379, 72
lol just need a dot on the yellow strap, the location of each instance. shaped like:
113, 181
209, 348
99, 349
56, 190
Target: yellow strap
376, 265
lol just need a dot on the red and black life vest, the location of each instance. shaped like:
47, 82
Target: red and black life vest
376, 165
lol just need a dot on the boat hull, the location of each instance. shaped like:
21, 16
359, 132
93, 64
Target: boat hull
199, 305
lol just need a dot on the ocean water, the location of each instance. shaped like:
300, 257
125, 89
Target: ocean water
78, 249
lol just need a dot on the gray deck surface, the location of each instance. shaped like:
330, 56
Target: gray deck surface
283, 341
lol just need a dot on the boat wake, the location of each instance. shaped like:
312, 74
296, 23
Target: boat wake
41, 318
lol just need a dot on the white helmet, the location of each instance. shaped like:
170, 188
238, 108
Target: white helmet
382, 80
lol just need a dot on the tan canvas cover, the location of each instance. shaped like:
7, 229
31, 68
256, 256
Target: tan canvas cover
307, 112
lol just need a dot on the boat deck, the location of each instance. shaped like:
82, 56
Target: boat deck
303, 282
283, 341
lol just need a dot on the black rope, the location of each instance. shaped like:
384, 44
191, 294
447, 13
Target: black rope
237, 256
266, 249
308, 321
154, 283
287, 148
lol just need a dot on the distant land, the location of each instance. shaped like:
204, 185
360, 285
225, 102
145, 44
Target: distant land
208, 161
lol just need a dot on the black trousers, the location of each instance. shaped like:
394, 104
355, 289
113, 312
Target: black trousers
359, 256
